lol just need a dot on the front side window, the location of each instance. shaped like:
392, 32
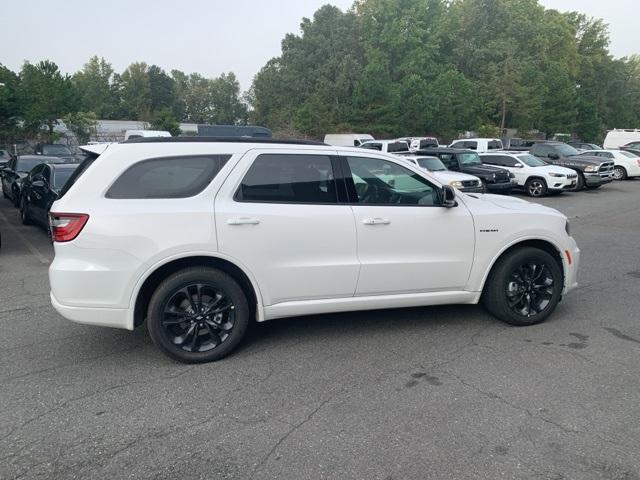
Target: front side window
380, 182
285, 178
172, 177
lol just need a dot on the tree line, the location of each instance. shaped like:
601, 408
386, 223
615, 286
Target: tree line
35, 98
386, 67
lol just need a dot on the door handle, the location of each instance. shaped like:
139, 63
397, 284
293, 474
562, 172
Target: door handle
376, 221
243, 221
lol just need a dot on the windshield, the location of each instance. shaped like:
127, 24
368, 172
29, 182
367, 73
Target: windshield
431, 164
566, 150
55, 150
531, 161
24, 165
60, 177
469, 159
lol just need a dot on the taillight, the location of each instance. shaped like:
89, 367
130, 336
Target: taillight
66, 226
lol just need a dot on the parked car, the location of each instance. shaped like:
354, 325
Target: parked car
626, 164
55, 150
635, 150
617, 138
40, 188
347, 139
593, 172
479, 144
535, 177
387, 146
165, 230
5, 156
583, 146
418, 143
131, 134
18, 167
494, 179
462, 181
517, 144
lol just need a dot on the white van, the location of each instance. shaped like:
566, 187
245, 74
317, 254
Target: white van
145, 133
618, 138
347, 139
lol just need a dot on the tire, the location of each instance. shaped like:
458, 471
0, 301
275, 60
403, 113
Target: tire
536, 187
197, 337
4, 194
16, 199
581, 182
502, 289
593, 187
24, 212
619, 173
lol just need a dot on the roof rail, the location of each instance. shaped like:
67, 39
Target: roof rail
285, 141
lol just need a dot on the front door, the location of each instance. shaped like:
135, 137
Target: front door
280, 215
407, 241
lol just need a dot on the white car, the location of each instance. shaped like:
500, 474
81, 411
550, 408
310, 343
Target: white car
627, 164
536, 177
386, 146
418, 143
480, 145
198, 237
462, 181
620, 137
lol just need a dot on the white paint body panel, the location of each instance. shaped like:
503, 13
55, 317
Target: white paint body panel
620, 159
300, 259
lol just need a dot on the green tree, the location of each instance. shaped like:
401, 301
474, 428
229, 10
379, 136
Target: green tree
96, 90
136, 91
164, 119
161, 88
9, 104
45, 95
82, 125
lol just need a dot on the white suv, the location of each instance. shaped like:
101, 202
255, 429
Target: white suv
199, 237
536, 177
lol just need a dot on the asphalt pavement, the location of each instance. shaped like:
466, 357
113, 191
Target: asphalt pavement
422, 393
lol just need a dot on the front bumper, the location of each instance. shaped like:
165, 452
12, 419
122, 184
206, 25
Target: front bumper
595, 179
504, 188
571, 263
478, 189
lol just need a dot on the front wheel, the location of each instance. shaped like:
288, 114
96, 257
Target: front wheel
581, 182
524, 287
536, 187
24, 212
619, 173
198, 315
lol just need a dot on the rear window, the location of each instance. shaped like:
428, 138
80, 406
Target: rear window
60, 177
495, 145
170, 177
397, 147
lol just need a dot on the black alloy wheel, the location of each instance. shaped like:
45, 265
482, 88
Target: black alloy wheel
198, 315
524, 287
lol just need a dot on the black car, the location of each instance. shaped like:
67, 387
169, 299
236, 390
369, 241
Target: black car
494, 179
40, 189
18, 167
593, 171
55, 150
5, 156
584, 145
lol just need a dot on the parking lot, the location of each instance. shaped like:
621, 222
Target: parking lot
441, 392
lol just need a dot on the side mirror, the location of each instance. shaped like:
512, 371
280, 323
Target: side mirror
518, 165
448, 197
37, 184
553, 156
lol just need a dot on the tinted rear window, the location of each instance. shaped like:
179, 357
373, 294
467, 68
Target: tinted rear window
171, 177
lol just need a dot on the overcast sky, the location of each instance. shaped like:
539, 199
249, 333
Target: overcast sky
208, 37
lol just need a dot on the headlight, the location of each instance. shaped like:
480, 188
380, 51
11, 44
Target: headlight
455, 184
553, 174
591, 168
567, 227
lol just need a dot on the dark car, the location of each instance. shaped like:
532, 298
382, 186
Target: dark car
584, 145
494, 179
593, 171
18, 167
5, 156
55, 150
40, 189
517, 144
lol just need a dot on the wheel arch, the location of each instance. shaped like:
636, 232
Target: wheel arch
160, 272
540, 243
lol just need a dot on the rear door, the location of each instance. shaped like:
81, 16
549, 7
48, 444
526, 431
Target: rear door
283, 215
407, 242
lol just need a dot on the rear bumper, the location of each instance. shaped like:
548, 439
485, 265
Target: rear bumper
101, 317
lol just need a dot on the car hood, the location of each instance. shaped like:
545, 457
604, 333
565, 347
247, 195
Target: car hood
553, 169
446, 176
583, 160
482, 169
515, 204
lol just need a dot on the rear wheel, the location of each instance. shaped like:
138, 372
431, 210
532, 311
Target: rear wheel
16, 198
536, 187
619, 173
198, 315
524, 287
